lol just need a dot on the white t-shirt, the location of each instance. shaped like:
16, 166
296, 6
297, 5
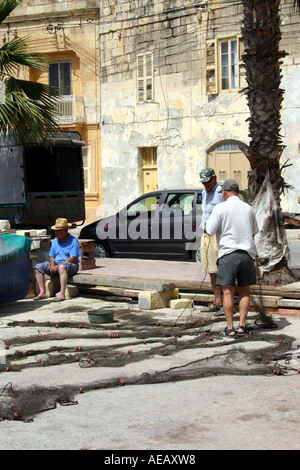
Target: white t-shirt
234, 223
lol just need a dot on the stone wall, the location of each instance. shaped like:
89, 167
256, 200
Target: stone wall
68, 31
290, 83
182, 121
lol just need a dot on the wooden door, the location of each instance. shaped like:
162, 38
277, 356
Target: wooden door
149, 169
230, 165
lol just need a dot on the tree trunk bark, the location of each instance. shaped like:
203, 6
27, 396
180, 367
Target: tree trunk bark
261, 35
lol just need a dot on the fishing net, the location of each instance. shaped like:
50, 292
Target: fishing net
188, 347
271, 241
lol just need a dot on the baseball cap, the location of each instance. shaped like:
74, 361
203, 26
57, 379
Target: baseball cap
230, 185
206, 175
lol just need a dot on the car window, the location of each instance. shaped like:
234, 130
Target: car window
199, 204
144, 205
179, 204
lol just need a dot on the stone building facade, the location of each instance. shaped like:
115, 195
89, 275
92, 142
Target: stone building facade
67, 34
155, 89
171, 100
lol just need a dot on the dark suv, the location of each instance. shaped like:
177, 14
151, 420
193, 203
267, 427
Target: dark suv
161, 224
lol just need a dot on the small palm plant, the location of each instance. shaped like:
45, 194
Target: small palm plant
27, 109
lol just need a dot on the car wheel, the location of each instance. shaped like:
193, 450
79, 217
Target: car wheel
101, 251
196, 256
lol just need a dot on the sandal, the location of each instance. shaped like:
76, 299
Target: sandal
212, 308
244, 328
228, 333
59, 299
219, 313
39, 297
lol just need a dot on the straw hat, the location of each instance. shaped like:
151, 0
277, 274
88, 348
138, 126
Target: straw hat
61, 224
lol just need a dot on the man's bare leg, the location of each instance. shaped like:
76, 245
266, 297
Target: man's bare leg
41, 283
228, 304
216, 289
63, 277
244, 304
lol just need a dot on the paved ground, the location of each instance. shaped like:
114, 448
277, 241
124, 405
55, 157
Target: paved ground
156, 269
167, 382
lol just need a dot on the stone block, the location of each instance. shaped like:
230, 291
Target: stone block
71, 291
180, 303
52, 287
150, 300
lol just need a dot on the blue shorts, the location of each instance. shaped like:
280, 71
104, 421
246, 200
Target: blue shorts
44, 268
236, 266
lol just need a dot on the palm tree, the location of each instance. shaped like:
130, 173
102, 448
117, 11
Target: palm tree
27, 108
262, 58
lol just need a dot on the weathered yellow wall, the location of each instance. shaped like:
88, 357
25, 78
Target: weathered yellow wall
183, 122
68, 31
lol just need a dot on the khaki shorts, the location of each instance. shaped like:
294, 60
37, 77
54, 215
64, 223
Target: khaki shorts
209, 253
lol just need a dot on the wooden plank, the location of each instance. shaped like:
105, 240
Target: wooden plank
289, 303
283, 311
124, 282
268, 301
288, 291
291, 220
105, 291
294, 287
272, 304
202, 298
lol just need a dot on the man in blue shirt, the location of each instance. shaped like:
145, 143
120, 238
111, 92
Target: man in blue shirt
211, 196
64, 260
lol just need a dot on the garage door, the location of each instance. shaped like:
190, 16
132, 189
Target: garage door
229, 162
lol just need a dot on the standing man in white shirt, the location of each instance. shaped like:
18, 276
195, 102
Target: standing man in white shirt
234, 223
209, 249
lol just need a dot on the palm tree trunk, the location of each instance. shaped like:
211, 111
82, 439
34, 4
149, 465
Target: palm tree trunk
261, 34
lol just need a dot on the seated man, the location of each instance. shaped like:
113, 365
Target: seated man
64, 260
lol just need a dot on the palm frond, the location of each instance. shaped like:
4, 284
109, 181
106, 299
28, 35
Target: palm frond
33, 90
27, 109
14, 54
6, 7
26, 118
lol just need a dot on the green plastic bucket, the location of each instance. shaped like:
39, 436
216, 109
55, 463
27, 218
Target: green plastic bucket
101, 315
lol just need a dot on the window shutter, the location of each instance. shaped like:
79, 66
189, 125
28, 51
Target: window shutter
211, 67
145, 77
53, 74
242, 70
60, 74
65, 78
140, 78
213, 71
86, 168
149, 76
